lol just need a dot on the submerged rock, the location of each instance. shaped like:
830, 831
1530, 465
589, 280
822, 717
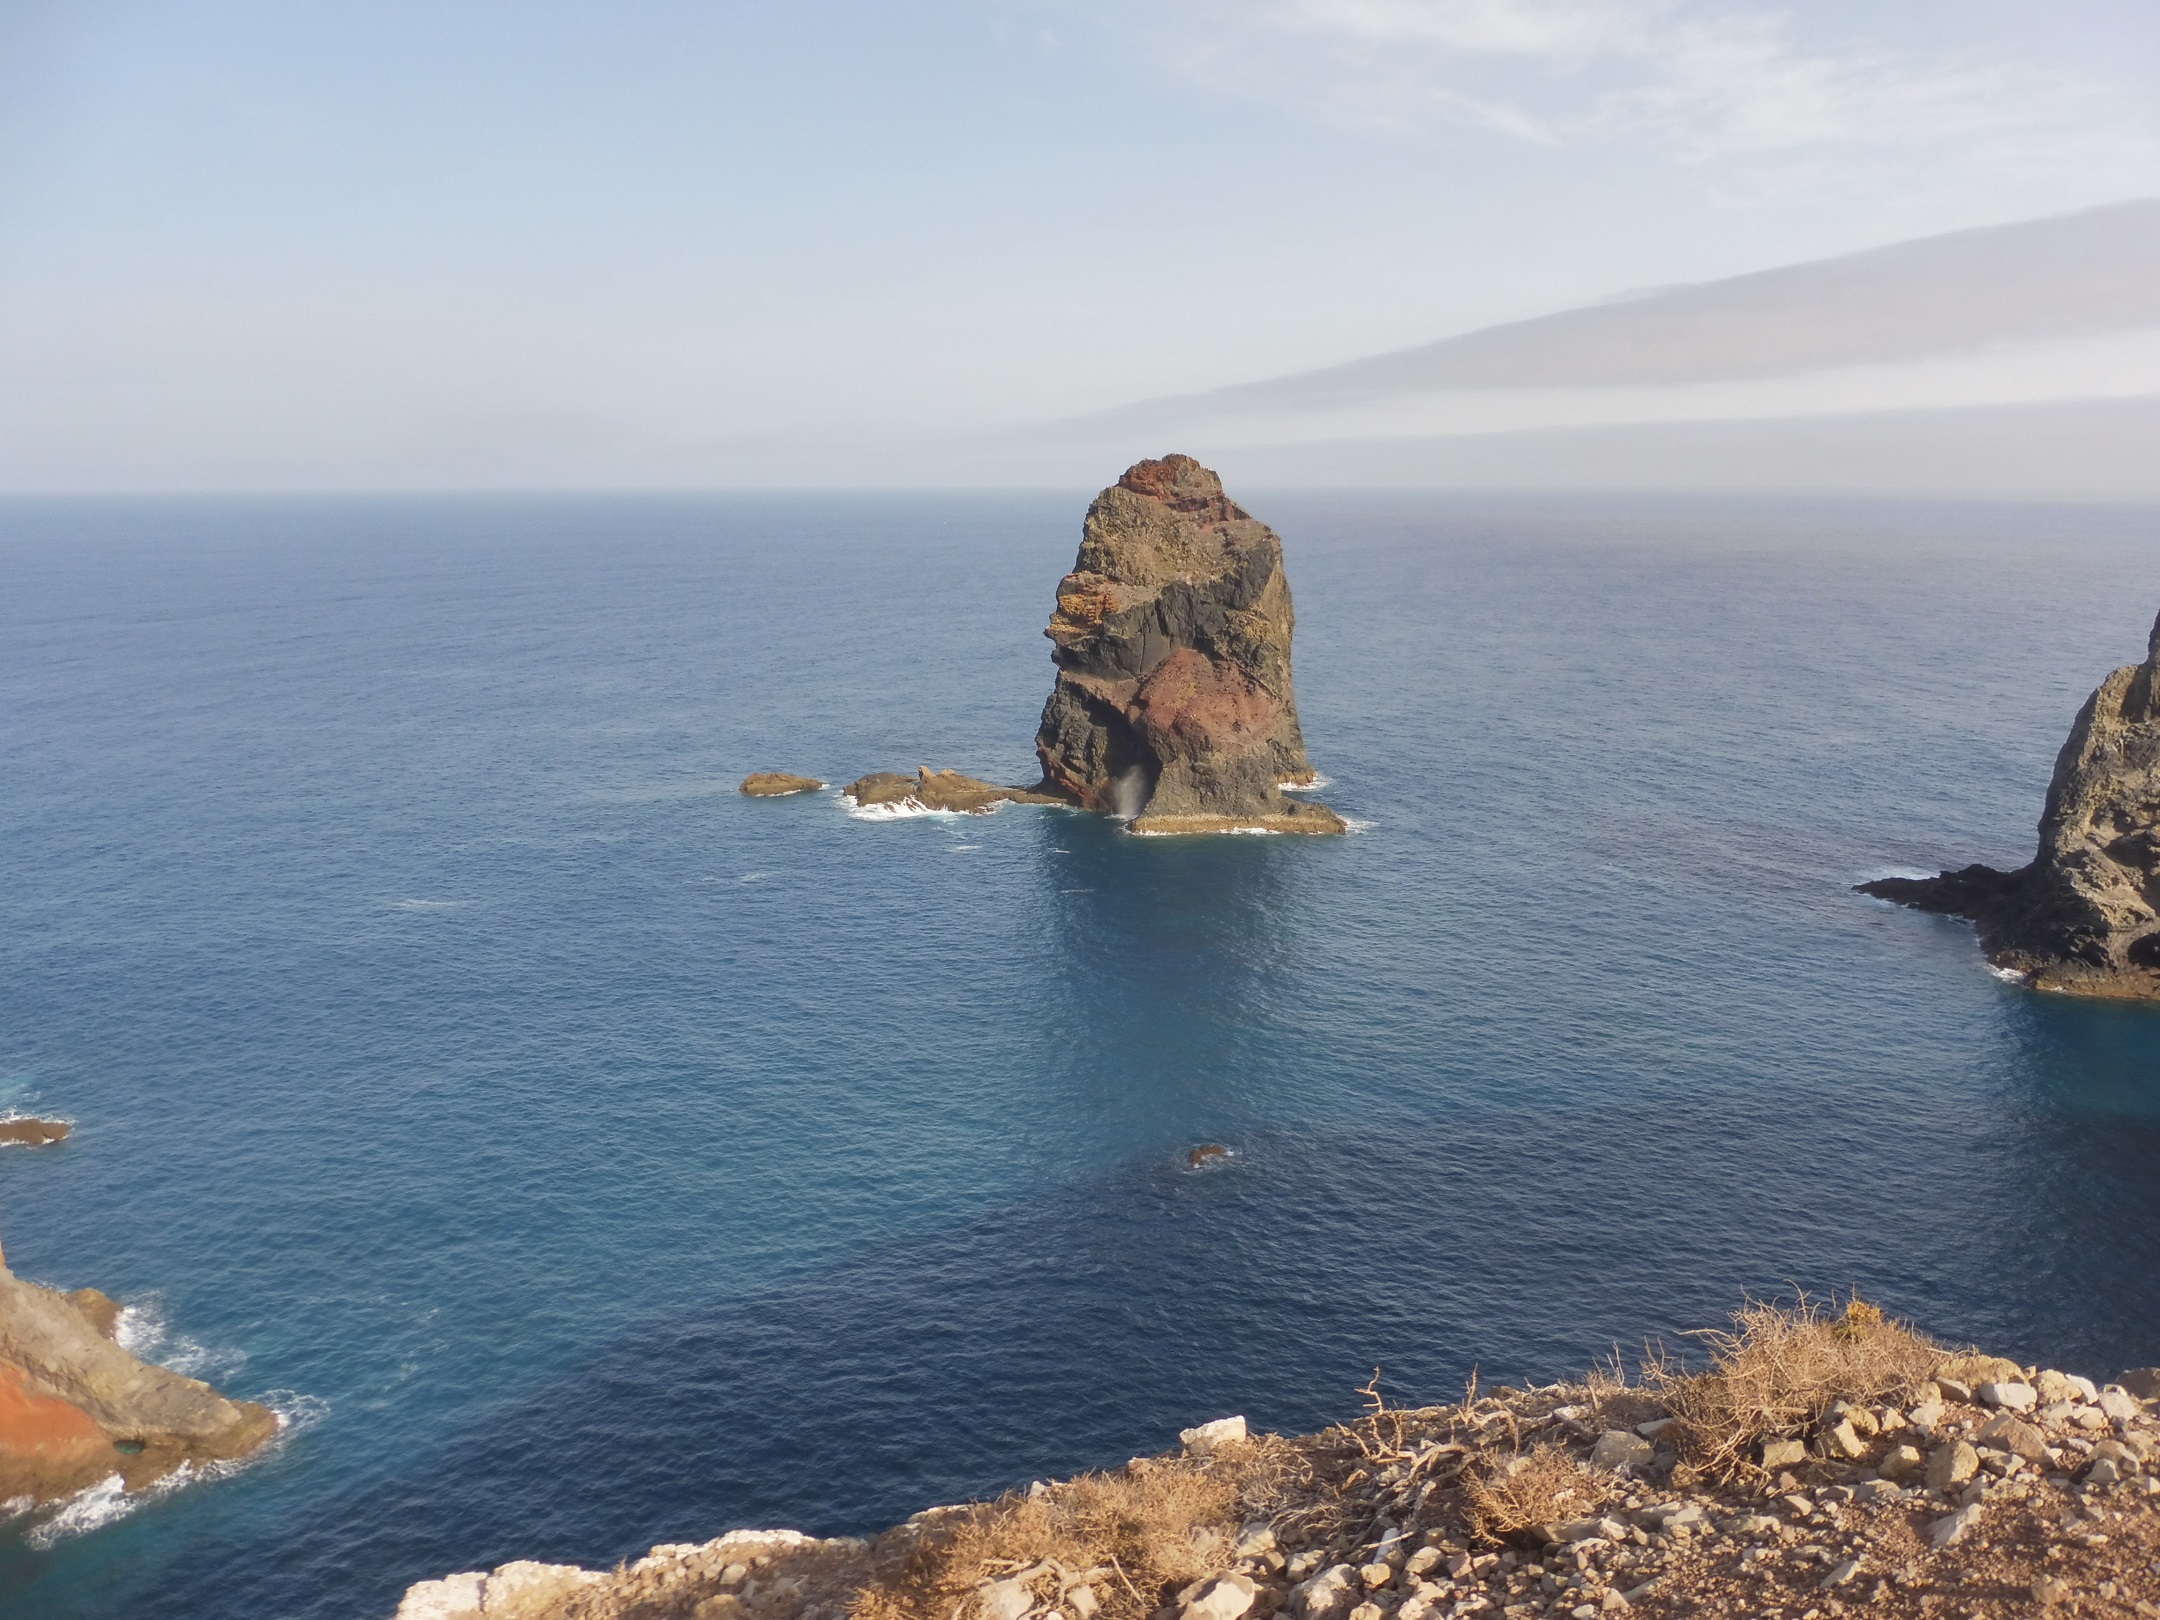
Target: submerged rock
775, 784
1173, 703
25, 1132
1203, 1153
931, 789
2084, 914
76, 1408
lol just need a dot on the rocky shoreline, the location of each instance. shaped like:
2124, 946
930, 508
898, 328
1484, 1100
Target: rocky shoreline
1822, 1465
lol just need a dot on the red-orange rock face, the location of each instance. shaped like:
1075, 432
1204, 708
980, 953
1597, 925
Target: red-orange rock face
1173, 701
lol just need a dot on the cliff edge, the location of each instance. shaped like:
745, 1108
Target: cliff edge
1173, 704
2084, 915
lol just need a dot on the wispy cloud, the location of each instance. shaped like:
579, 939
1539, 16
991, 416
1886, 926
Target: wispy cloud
1761, 101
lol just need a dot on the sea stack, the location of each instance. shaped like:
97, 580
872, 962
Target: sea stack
2084, 916
1173, 704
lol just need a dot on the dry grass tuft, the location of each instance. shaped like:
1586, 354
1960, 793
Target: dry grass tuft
1543, 1486
1780, 1369
1131, 1537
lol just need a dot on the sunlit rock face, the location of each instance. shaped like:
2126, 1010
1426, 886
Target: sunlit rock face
2084, 915
1173, 703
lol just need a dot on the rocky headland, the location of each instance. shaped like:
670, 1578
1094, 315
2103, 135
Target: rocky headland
2084, 914
1821, 1464
1173, 704
77, 1409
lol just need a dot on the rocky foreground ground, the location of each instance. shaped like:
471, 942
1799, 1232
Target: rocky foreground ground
1820, 1465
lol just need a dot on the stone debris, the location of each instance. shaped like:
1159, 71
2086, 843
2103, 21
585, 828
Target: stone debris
1969, 1502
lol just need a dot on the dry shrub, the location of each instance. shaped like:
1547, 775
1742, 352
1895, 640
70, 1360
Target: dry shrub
1135, 1536
1780, 1369
1543, 1486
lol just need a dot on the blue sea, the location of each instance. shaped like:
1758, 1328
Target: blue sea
583, 1156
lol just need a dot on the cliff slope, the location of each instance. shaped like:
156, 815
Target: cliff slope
2084, 914
1173, 702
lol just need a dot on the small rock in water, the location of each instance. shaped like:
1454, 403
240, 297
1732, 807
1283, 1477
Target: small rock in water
777, 784
33, 1132
1204, 1152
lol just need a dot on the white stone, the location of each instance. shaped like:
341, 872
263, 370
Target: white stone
1839, 1575
2119, 1404
1004, 1600
454, 1597
2104, 1471
1255, 1541
1199, 1442
1227, 1597
1616, 1448
528, 1591
1083, 1601
2010, 1397
1325, 1592
1949, 1532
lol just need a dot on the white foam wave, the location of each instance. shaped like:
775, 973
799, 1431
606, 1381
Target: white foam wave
904, 808
296, 1413
145, 1333
429, 905
753, 877
1354, 824
1314, 786
1877, 874
2007, 975
86, 1510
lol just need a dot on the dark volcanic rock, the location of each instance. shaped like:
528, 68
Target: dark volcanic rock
2084, 915
1173, 702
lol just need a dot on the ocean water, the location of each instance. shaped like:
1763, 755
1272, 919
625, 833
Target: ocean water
585, 1156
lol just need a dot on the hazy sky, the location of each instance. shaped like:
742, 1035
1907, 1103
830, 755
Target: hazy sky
300, 243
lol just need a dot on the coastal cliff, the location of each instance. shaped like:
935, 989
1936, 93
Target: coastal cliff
1823, 1464
1173, 703
2084, 914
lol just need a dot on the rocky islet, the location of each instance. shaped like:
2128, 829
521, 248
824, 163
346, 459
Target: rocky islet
2083, 915
1173, 709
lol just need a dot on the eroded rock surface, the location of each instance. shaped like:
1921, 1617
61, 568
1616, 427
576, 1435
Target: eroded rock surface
2084, 915
22, 1131
930, 789
778, 784
76, 1408
1173, 702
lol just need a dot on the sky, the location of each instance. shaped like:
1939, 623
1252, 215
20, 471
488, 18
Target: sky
300, 244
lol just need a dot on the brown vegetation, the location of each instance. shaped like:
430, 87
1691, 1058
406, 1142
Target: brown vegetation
1777, 1372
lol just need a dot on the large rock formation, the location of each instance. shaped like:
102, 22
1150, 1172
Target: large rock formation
76, 1408
2084, 915
1173, 703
